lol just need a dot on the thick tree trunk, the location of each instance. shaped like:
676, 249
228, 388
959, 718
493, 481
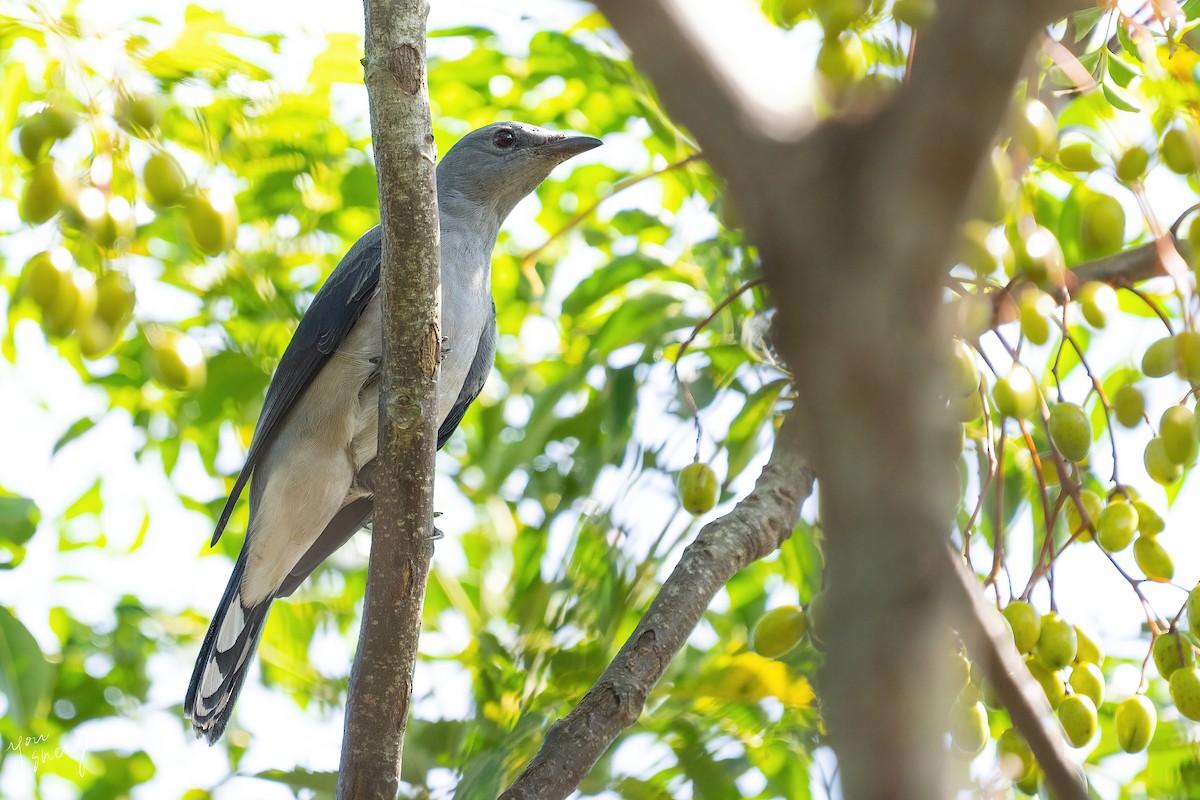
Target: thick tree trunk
402, 540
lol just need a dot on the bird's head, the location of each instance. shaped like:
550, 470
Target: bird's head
497, 165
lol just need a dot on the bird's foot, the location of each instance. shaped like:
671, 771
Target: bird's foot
443, 349
437, 535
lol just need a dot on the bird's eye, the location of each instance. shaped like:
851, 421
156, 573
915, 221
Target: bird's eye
504, 138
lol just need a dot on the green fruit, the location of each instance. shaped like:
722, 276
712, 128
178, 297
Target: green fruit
1185, 692
994, 189
959, 673
1153, 559
1036, 308
1097, 300
60, 122
1088, 680
698, 488
1187, 356
1050, 680
1179, 150
1101, 225
964, 370
1016, 759
791, 11
914, 13
1029, 784
1090, 650
1025, 622
1177, 428
114, 300
1057, 643
1116, 526
968, 728
1193, 611
842, 59
1134, 723
1160, 358
114, 226
836, 15
179, 362
1016, 394
138, 112
1071, 431
164, 179
44, 192
778, 631
1159, 465
1093, 505
33, 137
1077, 714
1036, 130
819, 622
1038, 255
1132, 164
1129, 406
45, 275
1149, 522
1172, 651
1079, 156
96, 338
213, 220
73, 306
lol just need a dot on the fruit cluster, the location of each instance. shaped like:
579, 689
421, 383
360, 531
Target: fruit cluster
78, 284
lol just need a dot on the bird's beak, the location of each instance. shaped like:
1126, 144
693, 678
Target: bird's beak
569, 146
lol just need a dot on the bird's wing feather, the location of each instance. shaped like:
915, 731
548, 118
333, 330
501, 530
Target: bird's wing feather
335, 309
481, 366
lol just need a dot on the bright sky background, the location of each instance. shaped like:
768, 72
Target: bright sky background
41, 396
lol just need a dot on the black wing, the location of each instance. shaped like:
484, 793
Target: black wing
357, 514
323, 328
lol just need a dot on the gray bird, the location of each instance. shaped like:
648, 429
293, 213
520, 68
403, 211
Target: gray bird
313, 450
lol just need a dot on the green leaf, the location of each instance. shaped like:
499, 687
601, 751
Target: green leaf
26, 677
78, 428
1120, 98
741, 444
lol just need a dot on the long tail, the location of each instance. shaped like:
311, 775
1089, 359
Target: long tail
224, 660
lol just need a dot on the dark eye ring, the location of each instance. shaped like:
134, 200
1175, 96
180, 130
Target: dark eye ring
504, 138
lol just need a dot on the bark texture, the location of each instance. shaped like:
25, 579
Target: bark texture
402, 541
754, 529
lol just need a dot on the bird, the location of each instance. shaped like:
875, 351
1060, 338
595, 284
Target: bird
312, 454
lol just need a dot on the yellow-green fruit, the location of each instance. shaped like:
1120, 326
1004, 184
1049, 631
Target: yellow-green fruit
1187, 356
1132, 164
1149, 522
968, 728
994, 189
1172, 651
1178, 431
974, 248
164, 179
114, 226
1036, 308
1016, 759
213, 220
1159, 465
1077, 714
817, 614
1016, 394
45, 275
1179, 151
1160, 358
1101, 225
59, 121
96, 338
44, 192
914, 13
1050, 680
33, 136
1071, 431
1185, 692
180, 362
959, 672
779, 630
1153, 559
1036, 130
841, 59
1093, 505
1090, 649
698, 488
964, 370
1116, 526
1193, 612
1025, 622
1038, 255
967, 408
114, 300
73, 306
1134, 723
1079, 156
1097, 300
138, 111
1057, 643
1088, 680
1129, 406
1029, 784
791, 11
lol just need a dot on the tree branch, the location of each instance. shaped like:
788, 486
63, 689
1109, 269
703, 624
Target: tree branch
990, 644
402, 539
754, 529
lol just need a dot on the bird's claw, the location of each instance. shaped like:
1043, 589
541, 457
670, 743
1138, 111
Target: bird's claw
437, 535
